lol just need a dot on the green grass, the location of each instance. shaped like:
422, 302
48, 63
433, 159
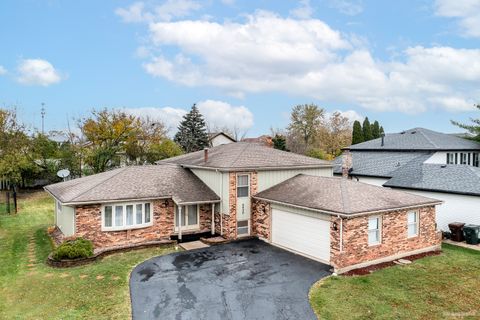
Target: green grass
42, 292
437, 287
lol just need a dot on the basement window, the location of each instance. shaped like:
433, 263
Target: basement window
374, 226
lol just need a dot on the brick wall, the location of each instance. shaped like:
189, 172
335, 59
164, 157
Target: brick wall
88, 225
394, 238
261, 219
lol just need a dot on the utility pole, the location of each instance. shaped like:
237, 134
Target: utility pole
43, 117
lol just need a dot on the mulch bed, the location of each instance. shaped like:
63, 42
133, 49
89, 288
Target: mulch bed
372, 268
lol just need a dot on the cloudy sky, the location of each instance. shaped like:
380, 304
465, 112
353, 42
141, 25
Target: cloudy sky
245, 63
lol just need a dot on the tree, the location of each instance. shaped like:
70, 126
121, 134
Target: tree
474, 128
335, 134
107, 133
279, 142
367, 130
357, 134
382, 132
192, 132
305, 123
375, 130
163, 150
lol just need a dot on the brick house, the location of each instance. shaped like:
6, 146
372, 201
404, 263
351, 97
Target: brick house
245, 189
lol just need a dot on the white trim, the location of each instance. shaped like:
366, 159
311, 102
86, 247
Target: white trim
379, 230
243, 186
186, 227
248, 229
416, 223
124, 216
79, 203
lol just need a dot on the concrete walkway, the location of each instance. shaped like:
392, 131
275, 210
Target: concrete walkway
193, 245
463, 244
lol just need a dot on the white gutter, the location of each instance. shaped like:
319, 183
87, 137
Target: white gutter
196, 202
363, 213
76, 203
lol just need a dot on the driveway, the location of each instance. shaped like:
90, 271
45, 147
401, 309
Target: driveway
240, 280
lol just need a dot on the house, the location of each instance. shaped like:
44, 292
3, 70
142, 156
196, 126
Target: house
216, 139
245, 189
423, 162
265, 140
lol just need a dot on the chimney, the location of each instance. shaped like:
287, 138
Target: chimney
383, 139
205, 155
346, 163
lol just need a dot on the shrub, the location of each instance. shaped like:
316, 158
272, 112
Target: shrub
74, 249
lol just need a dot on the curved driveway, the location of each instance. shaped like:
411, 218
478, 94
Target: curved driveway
240, 280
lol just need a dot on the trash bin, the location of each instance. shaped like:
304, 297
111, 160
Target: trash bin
471, 232
457, 231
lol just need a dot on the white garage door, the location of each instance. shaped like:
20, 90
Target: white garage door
305, 235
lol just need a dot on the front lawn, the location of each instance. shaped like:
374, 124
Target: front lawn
29, 289
437, 287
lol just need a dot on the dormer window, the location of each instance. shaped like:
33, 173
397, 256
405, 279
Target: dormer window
450, 158
463, 158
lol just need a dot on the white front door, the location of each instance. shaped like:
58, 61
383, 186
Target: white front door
306, 235
243, 204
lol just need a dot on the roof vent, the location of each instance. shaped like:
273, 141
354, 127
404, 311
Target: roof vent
443, 166
413, 132
398, 164
403, 132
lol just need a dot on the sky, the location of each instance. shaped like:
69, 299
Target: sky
244, 63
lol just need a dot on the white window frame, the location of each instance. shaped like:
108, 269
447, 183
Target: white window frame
475, 159
187, 227
124, 216
243, 186
379, 230
248, 228
450, 158
416, 224
463, 158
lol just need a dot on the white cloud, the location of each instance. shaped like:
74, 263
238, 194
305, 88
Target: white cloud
169, 9
2, 70
466, 11
348, 7
218, 114
304, 11
269, 53
37, 72
352, 115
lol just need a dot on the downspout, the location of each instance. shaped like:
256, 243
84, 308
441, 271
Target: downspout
221, 206
341, 233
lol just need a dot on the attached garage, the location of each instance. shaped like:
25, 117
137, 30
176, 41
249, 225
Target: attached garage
302, 234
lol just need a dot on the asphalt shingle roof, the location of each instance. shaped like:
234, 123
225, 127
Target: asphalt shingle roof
418, 139
340, 196
135, 182
243, 156
378, 163
462, 179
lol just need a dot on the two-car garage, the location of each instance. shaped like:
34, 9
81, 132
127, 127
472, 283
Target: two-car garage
301, 232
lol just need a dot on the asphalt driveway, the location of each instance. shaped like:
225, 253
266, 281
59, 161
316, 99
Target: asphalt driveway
240, 280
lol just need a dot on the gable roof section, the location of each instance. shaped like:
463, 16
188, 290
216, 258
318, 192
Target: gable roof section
460, 179
134, 183
213, 135
418, 139
246, 156
340, 196
379, 164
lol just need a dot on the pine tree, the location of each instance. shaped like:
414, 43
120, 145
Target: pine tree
279, 142
376, 130
367, 130
382, 132
357, 133
192, 132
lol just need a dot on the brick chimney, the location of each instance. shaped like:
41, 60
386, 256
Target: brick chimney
205, 155
346, 163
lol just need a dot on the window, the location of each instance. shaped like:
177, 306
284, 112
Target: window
126, 216
190, 217
374, 230
450, 158
469, 154
475, 161
456, 158
243, 186
242, 227
463, 158
412, 222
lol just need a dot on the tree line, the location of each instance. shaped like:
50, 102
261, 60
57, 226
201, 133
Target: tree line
366, 131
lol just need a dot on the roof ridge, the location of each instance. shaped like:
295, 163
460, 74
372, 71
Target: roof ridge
96, 185
428, 139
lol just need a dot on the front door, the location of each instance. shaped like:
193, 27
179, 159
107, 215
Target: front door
243, 204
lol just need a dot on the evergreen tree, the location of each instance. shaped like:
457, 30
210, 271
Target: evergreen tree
279, 142
382, 132
367, 130
192, 132
357, 133
376, 130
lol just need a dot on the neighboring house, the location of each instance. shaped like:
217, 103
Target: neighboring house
423, 162
218, 138
263, 140
245, 189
